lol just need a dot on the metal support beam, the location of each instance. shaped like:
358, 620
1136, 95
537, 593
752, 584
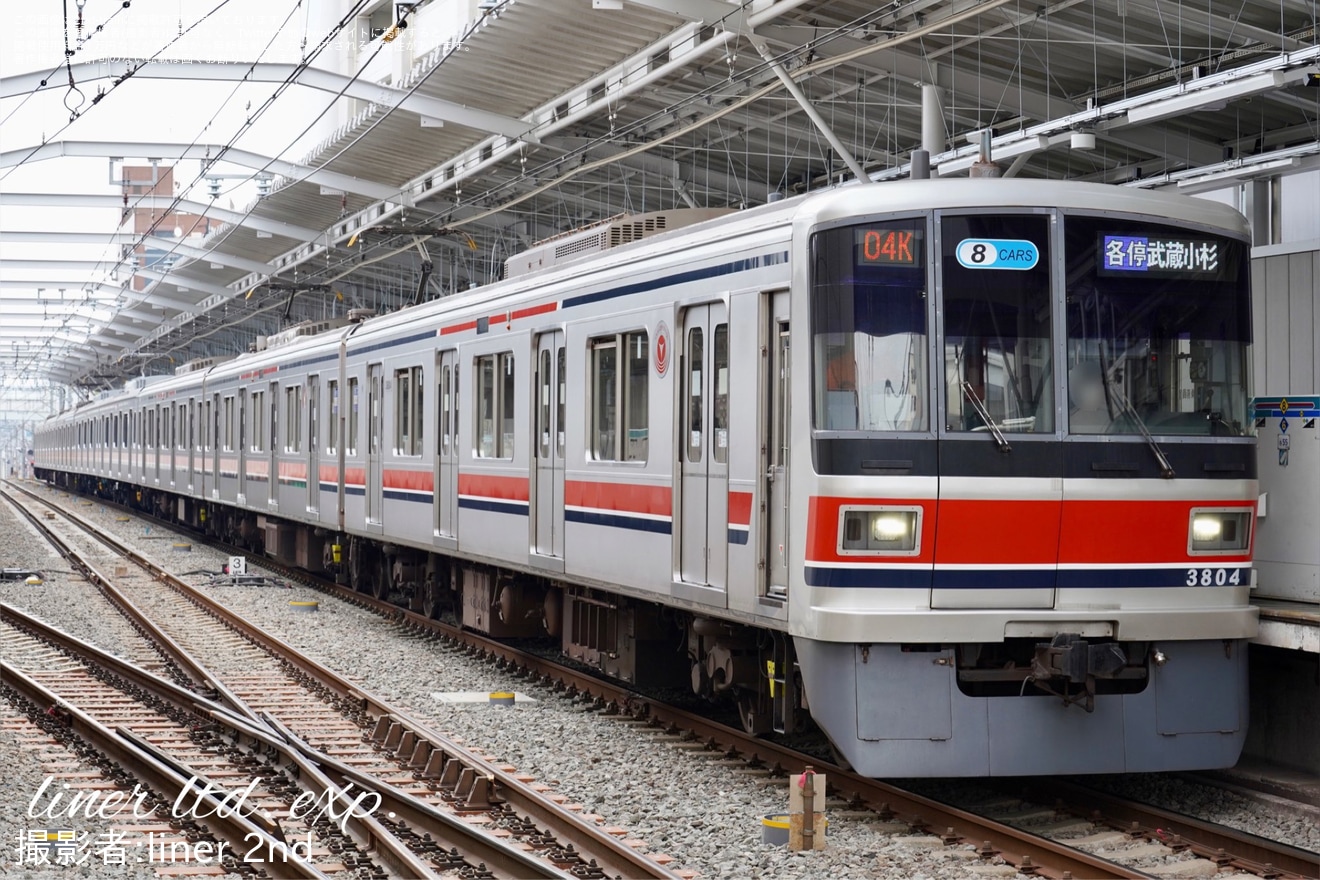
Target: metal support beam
428, 108
180, 246
159, 203
203, 152
812, 113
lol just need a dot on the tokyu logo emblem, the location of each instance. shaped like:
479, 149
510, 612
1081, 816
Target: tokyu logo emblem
662, 349
997, 253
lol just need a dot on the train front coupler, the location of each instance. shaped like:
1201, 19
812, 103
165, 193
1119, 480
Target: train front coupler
1072, 662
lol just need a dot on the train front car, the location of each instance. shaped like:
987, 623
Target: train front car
1026, 521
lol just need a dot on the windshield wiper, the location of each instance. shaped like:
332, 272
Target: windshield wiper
979, 405
1166, 469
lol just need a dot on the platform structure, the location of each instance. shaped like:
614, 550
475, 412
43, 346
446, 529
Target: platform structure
1285, 655
1294, 626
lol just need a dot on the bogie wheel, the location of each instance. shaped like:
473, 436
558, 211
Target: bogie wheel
430, 599
384, 580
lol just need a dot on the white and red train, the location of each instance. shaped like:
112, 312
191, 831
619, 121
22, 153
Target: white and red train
961, 468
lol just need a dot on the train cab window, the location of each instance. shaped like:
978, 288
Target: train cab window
332, 432
408, 411
293, 418
354, 395
998, 353
495, 406
869, 305
1129, 282
620, 418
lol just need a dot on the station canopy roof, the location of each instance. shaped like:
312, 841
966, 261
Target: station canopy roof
535, 118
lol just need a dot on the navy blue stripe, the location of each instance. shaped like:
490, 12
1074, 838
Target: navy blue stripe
738, 536
614, 521
391, 343
406, 496
492, 506
748, 264
354, 490
995, 579
887, 578
1147, 577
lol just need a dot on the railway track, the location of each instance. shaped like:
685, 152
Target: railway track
431, 787
1140, 831
175, 749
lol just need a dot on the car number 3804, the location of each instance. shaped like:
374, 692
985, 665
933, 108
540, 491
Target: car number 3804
1213, 577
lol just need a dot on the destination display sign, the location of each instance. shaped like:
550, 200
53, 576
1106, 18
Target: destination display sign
1163, 256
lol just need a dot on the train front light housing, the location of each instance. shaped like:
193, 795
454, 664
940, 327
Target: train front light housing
1219, 532
886, 531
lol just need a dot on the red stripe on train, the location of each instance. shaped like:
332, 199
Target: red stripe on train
625, 497
740, 508
1007, 532
487, 486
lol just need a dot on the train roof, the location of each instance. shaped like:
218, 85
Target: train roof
988, 193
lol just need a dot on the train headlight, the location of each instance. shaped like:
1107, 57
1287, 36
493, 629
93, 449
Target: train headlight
886, 531
1220, 532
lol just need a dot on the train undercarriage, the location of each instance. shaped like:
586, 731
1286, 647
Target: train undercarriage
647, 644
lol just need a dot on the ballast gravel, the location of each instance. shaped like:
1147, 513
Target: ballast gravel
706, 815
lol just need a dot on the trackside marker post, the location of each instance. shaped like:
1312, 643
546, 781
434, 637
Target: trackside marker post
806, 810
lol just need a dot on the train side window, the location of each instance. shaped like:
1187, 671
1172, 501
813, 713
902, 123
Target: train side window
293, 418
257, 421
442, 399
619, 409
561, 403
354, 393
604, 410
495, 406
332, 430
543, 404
229, 425
695, 356
408, 411
720, 415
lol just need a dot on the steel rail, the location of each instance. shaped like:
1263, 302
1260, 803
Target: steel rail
365, 830
165, 644
511, 862
229, 825
590, 842
1017, 847
1218, 843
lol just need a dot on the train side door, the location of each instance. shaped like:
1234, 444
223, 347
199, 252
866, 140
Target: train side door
375, 429
703, 448
774, 447
313, 444
548, 445
445, 502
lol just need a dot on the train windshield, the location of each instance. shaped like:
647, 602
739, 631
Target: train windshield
868, 318
1158, 324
